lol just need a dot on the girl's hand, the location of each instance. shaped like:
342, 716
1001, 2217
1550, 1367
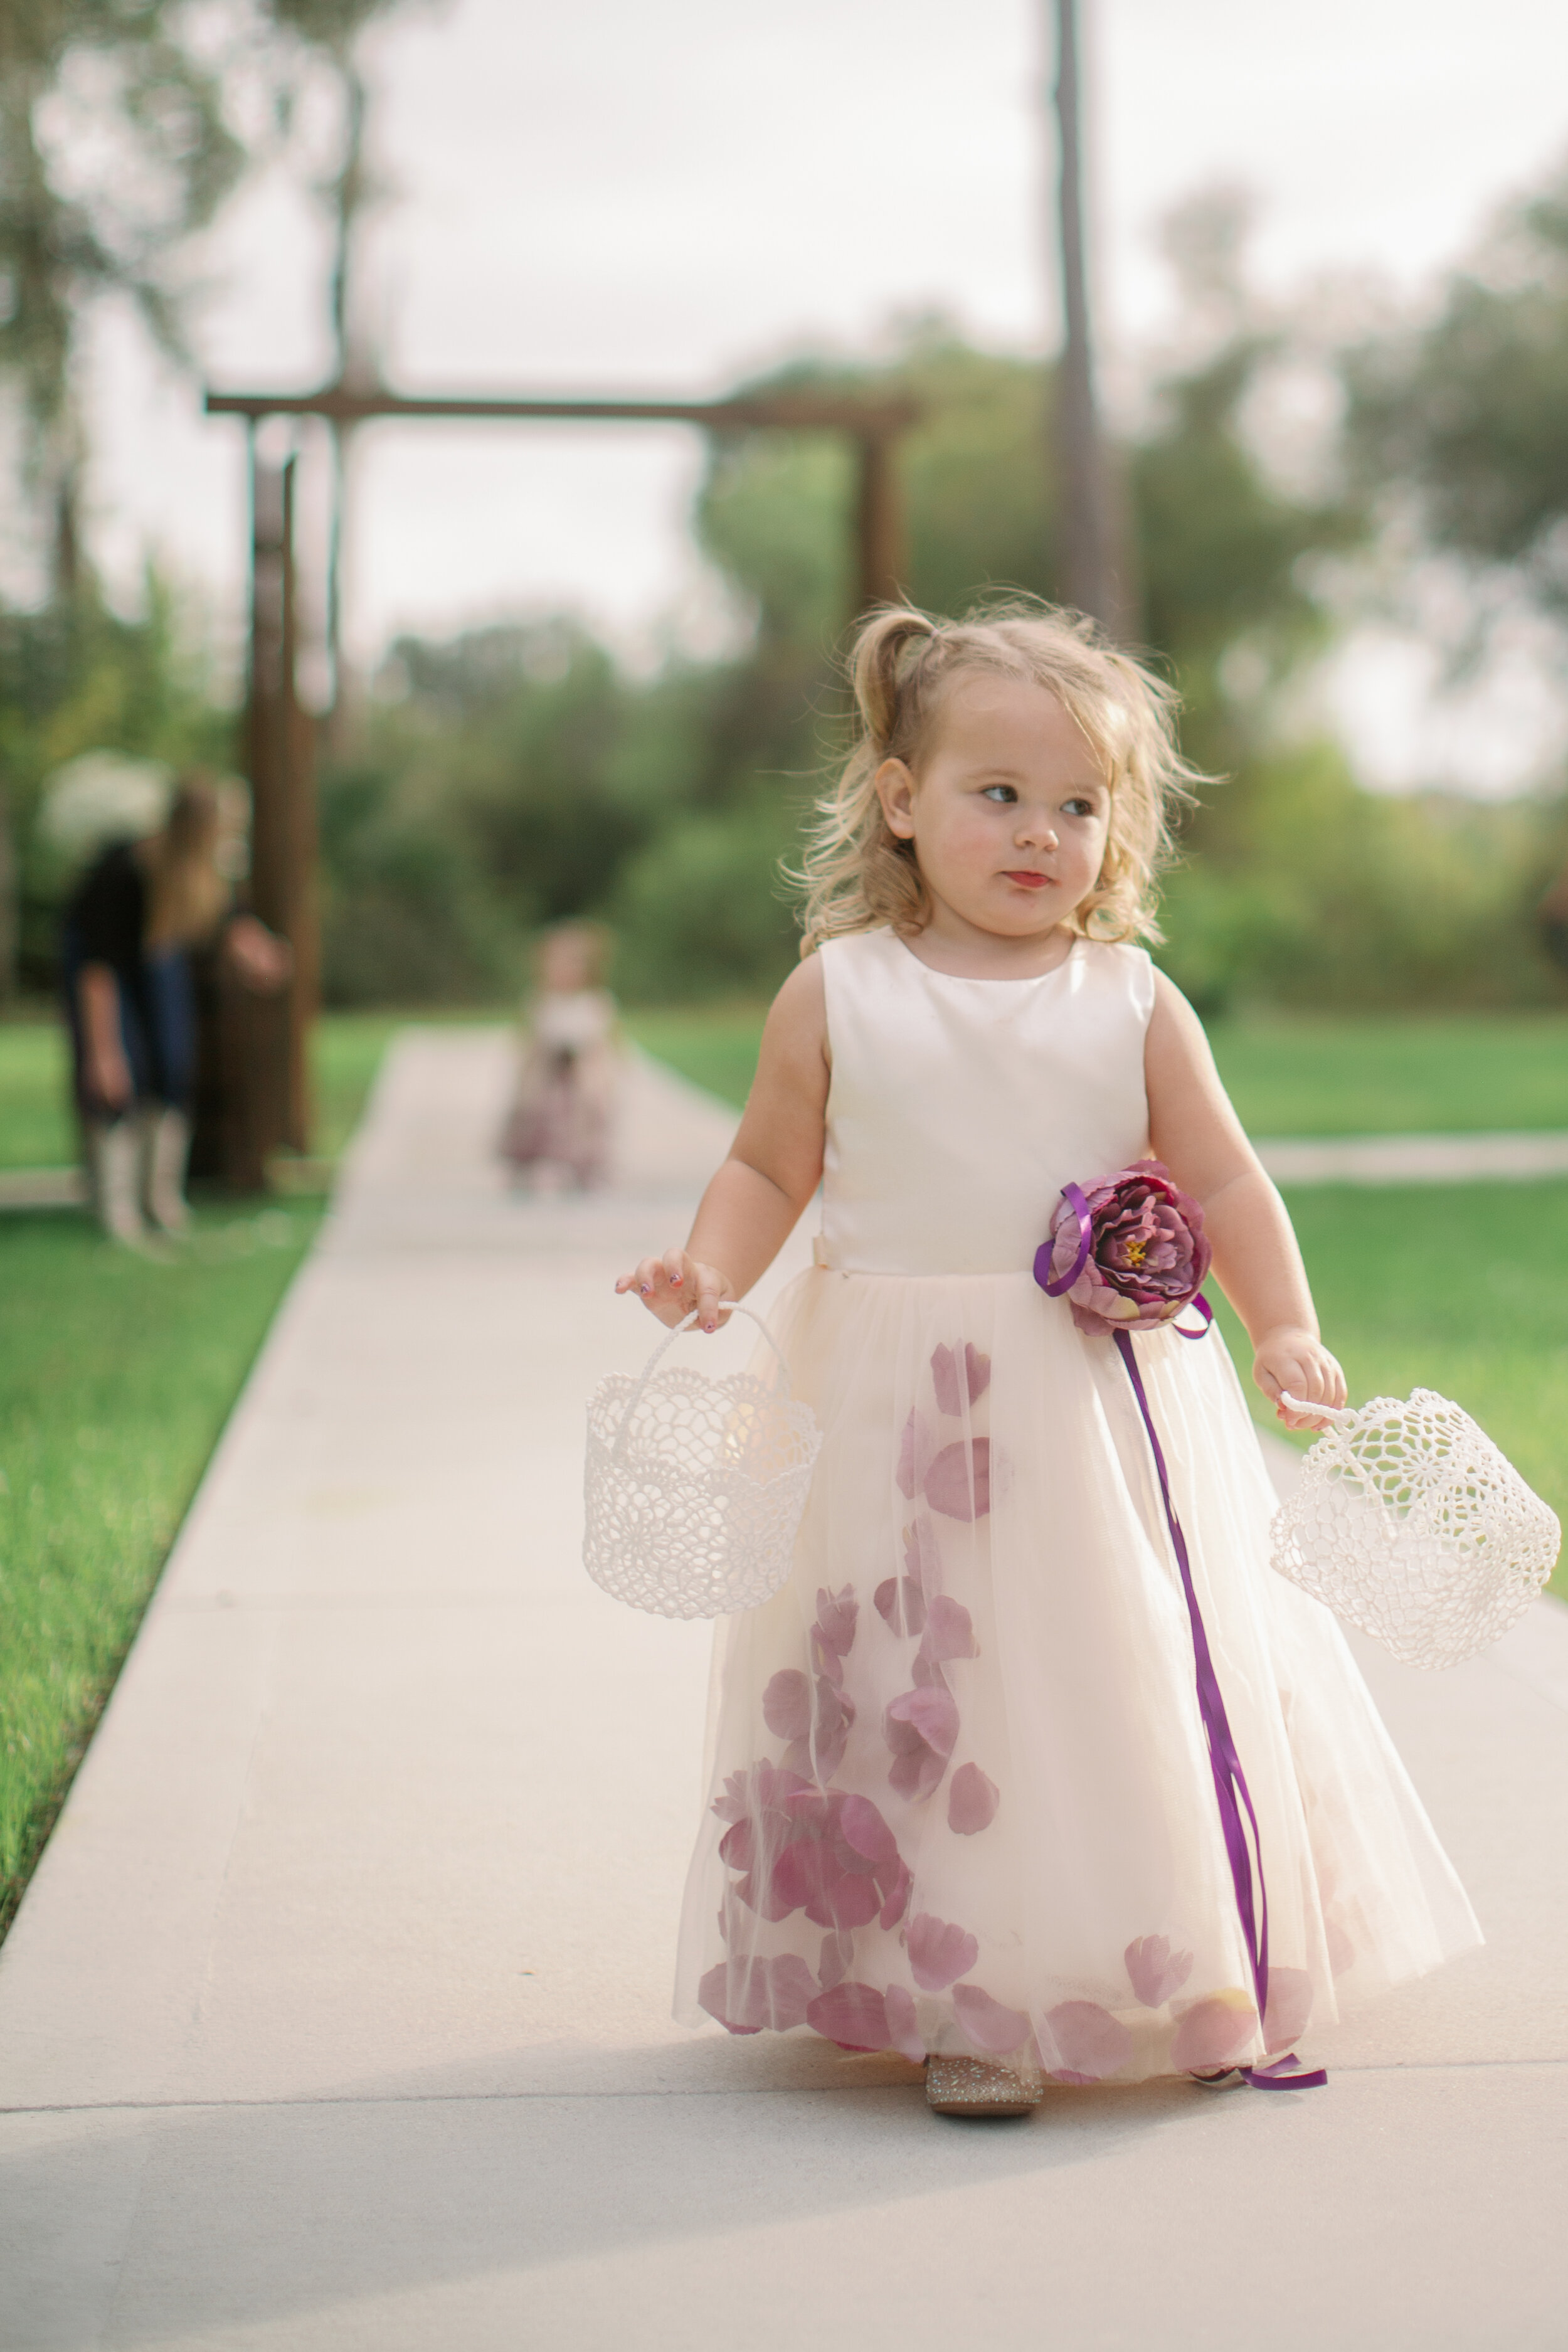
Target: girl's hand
671, 1285
1298, 1361
110, 1077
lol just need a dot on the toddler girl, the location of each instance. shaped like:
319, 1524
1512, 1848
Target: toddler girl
559, 1126
961, 1800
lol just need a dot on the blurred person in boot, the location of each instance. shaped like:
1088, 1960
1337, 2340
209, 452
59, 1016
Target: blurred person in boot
131, 927
559, 1129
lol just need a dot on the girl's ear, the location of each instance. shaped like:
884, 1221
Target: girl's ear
896, 790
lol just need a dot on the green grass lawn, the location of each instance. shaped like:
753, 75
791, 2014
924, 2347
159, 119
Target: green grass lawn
116, 1376
38, 1131
1288, 1074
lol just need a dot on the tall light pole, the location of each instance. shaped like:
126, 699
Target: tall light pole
1089, 570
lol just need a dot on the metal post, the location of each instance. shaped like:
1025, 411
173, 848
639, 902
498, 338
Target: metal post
267, 1039
879, 537
1089, 571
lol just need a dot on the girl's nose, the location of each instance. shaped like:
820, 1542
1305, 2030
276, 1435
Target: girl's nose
1036, 831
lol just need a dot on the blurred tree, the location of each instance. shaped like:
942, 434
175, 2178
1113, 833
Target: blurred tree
113, 149
1221, 541
1470, 413
772, 510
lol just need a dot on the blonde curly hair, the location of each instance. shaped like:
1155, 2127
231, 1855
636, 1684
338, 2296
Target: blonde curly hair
857, 874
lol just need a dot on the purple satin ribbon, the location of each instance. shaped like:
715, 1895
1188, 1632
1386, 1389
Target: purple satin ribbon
1231, 1791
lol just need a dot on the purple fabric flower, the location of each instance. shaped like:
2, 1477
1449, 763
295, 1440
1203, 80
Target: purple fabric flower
1148, 1257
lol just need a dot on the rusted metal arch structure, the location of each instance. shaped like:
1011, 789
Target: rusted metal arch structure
259, 1099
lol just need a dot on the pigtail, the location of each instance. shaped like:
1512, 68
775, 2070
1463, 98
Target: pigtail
881, 667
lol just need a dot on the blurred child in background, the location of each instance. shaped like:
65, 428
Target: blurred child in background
558, 1129
131, 926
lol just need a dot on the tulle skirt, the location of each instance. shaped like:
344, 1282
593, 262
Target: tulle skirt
960, 1796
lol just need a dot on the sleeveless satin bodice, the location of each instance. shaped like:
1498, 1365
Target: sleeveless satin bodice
959, 1108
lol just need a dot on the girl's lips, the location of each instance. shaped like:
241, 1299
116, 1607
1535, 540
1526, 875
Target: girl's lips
1029, 881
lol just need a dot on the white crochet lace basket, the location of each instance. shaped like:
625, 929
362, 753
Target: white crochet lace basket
1408, 1522
694, 1487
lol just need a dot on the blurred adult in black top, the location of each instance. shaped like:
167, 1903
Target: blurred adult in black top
130, 928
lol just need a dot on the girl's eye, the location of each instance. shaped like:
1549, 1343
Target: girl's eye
1002, 793
1078, 806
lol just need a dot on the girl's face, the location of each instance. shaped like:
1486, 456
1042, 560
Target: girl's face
566, 964
1008, 812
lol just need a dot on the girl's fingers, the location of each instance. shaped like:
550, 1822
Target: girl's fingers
648, 1278
707, 1298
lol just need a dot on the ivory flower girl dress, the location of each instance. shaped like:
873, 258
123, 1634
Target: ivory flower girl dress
960, 1801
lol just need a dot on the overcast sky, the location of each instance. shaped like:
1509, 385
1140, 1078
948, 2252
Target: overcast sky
618, 197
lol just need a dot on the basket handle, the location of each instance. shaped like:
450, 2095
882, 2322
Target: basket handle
1330, 1415
729, 1306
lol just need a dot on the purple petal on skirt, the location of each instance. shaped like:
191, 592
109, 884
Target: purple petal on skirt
801, 1874
919, 1775
1156, 1972
853, 2015
833, 1967
950, 1632
903, 2032
976, 1372
1091, 2044
787, 1704
1289, 2007
922, 1556
1342, 1951
986, 2024
1210, 2032
848, 1901
901, 1603
930, 1716
971, 1800
895, 1883
747, 1996
939, 1952
738, 1846
862, 1826
958, 1482
944, 1380
837, 1614
914, 1456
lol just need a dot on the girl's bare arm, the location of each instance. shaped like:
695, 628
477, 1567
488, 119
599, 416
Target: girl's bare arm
1195, 1130
108, 1073
752, 1204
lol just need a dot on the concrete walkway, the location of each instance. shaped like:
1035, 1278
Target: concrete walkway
337, 2015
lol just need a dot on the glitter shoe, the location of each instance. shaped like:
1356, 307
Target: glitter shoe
975, 2087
